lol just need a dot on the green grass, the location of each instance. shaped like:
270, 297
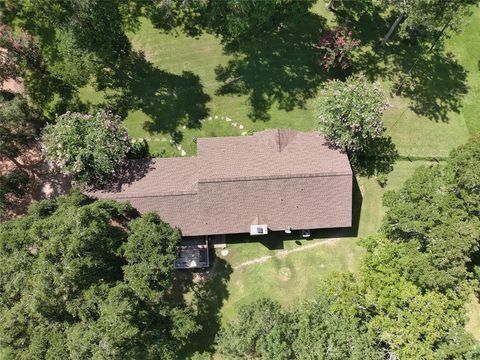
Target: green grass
284, 277
413, 133
473, 313
466, 47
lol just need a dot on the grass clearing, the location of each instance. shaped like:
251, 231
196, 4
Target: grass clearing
283, 278
473, 313
413, 133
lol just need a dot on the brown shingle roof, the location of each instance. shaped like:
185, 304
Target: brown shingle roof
283, 177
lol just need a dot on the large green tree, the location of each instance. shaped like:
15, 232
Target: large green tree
433, 214
262, 330
17, 132
67, 289
91, 148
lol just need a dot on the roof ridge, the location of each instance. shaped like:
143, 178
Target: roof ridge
275, 177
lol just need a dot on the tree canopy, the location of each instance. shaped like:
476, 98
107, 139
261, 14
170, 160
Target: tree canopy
76, 282
425, 19
91, 148
17, 131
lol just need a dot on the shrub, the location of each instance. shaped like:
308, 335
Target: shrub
91, 148
139, 149
335, 47
350, 117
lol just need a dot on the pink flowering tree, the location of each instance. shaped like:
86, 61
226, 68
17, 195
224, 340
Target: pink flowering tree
349, 114
90, 148
335, 47
17, 53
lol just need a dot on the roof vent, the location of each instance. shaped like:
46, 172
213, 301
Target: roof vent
258, 229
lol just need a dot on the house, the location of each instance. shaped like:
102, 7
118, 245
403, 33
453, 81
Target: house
275, 180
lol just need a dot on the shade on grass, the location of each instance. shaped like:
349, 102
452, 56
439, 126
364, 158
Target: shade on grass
409, 120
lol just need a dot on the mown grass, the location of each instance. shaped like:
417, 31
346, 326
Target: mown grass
415, 133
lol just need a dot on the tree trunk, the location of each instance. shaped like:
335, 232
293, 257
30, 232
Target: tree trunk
392, 29
330, 5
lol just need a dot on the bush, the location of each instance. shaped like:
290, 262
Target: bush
335, 47
350, 117
91, 148
139, 149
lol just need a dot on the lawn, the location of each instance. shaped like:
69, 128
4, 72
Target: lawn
178, 92
411, 119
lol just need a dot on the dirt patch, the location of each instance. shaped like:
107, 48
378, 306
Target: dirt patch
44, 184
284, 274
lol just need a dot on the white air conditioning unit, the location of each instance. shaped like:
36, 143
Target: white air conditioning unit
258, 230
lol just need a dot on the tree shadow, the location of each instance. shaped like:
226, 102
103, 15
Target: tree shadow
433, 81
277, 66
168, 99
379, 158
134, 170
208, 290
436, 85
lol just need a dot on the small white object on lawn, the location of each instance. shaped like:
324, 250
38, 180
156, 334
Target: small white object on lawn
240, 127
224, 252
183, 152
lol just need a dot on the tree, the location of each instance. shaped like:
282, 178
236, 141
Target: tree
79, 42
442, 234
16, 134
18, 53
410, 320
428, 19
147, 268
262, 330
16, 127
463, 173
64, 291
89, 147
350, 117
332, 325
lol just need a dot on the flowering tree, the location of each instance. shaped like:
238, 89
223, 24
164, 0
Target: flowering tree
17, 52
350, 117
335, 47
91, 148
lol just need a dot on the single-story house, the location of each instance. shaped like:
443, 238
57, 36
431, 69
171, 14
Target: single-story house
275, 180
